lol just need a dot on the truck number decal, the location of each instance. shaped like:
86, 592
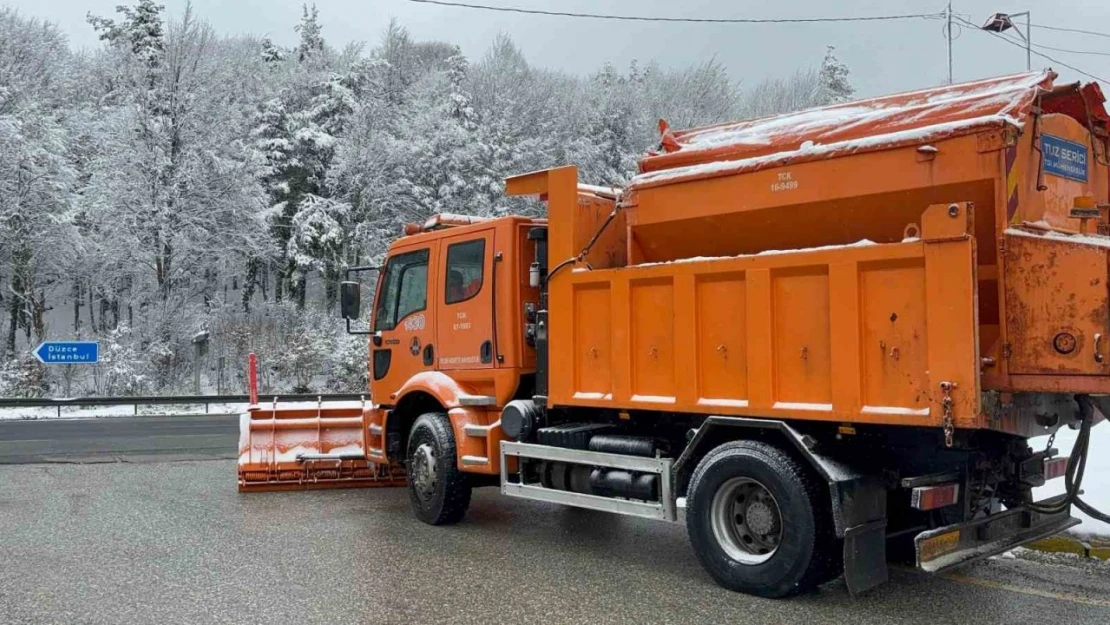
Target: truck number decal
785, 182
415, 322
461, 322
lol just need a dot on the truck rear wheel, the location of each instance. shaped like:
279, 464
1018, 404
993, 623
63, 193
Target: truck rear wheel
756, 522
439, 492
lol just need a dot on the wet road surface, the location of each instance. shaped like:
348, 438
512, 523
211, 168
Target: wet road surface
138, 535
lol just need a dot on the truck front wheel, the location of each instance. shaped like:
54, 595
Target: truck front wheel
755, 520
439, 492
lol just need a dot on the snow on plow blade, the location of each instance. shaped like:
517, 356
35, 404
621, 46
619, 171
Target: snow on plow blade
307, 448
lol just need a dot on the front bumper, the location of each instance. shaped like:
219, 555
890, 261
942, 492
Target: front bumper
946, 547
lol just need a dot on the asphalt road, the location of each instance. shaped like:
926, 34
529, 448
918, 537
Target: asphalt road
174, 542
116, 439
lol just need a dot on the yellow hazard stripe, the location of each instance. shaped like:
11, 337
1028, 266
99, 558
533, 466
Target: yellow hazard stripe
1011, 185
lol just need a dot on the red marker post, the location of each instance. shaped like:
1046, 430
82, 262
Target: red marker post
252, 379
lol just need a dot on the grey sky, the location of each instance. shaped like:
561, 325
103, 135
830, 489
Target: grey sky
883, 56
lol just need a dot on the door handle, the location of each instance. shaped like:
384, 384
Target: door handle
1098, 347
429, 355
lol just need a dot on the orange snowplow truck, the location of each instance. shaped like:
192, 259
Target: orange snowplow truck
827, 336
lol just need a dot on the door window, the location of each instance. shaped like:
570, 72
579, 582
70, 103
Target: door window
464, 270
404, 289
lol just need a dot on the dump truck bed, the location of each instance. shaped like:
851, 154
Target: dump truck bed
855, 333
737, 278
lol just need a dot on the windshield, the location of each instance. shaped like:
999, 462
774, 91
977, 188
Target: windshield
404, 289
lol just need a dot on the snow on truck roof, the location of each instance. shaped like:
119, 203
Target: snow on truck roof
865, 125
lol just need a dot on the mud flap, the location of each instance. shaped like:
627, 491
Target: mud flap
859, 511
946, 547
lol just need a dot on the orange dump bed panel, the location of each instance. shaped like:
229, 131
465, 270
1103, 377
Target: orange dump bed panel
858, 333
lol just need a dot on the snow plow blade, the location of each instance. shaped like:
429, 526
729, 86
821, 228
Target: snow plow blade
308, 448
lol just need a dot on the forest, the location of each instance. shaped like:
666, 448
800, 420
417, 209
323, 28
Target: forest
186, 198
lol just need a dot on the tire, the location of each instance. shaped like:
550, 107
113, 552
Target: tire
441, 495
789, 546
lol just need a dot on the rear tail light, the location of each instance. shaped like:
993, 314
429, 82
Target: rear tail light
932, 497
1055, 467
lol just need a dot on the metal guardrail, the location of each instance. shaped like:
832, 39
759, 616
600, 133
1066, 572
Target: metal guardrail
169, 400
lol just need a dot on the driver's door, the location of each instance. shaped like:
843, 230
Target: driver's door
403, 321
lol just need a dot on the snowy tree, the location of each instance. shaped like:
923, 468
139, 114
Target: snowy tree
271, 54
23, 376
174, 179
312, 45
138, 31
833, 76
36, 177
178, 184
35, 183
121, 370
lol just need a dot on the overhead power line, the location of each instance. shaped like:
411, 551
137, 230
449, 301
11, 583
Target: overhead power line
1044, 47
694, 20
1021, 45
1072, 30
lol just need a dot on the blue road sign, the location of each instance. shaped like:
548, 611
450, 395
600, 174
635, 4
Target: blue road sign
1064, 158
68, 352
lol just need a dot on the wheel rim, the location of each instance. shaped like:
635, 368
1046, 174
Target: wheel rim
746, 520
424, 471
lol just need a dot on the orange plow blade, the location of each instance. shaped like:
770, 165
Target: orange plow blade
307, 448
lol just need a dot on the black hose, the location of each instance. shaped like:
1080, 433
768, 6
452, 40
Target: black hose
586, 250
1077, 464
1073, 474
1091, 512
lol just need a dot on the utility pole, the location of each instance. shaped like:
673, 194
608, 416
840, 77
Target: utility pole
1028, 44
948, 13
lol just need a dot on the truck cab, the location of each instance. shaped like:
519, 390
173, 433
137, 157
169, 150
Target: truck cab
449, 332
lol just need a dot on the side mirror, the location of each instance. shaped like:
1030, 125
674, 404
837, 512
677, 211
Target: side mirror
350, 296
350, 300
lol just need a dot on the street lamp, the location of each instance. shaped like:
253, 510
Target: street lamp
1000, 22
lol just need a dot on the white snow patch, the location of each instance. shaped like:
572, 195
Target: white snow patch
999, 95
922, 134
701, 259
1082, 239
655, 399
793, 405
723, 403
895, 410
602, 191
470, 219
593, 395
